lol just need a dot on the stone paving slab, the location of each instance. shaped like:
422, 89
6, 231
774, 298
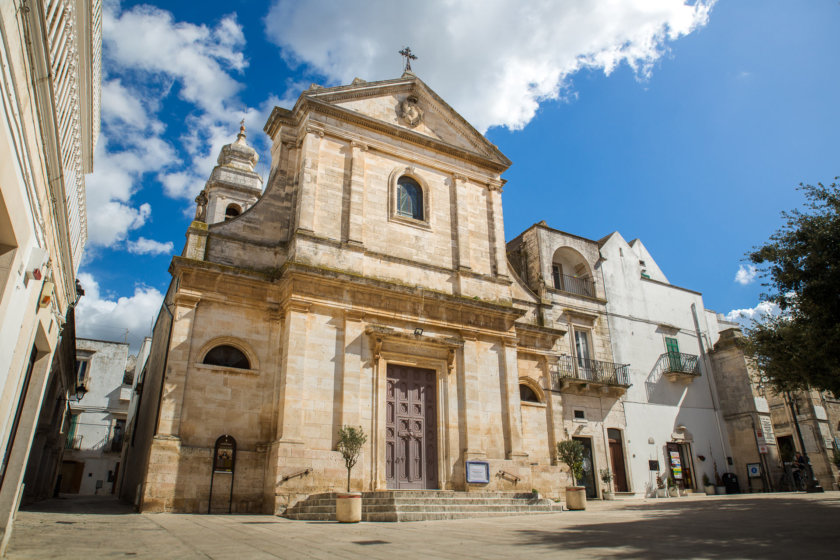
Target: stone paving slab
748, 526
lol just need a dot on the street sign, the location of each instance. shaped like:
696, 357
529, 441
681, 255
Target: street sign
762, 448
754, 470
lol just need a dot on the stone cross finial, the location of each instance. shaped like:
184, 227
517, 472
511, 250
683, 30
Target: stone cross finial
406, 53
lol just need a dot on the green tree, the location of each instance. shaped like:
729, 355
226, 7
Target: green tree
570, 451
350, 442
800, 348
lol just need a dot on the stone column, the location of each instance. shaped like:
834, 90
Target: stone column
355, 232
293, 373
463, 226
308, 184
351, 384
499, 250
469, 404
175, 376
512, 412
553, 411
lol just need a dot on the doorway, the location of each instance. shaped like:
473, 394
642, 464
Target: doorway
410, 429
588, 468
71, 476
617, 460
679, 458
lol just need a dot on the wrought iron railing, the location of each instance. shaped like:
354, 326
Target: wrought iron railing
596, 371
677, 362
572, 285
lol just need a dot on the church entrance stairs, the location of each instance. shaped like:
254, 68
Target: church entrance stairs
425, 505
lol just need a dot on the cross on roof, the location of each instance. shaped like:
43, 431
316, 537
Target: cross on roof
406, 53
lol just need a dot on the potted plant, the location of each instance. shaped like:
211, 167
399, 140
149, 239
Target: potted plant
348, 506
570, 452
606, 478
708, 487
660, 486
719, 487
673, 491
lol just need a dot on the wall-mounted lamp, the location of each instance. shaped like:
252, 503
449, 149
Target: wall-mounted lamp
418, 332
81, 391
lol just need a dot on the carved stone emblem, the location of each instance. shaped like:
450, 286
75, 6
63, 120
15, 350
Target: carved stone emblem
410, 112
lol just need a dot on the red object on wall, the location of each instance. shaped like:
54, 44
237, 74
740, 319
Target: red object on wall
36, 274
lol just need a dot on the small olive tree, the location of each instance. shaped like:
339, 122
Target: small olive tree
571, 452
350, 442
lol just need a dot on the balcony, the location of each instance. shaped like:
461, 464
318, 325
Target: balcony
584, 375
572, 285
73, 443
115, 444
676, 366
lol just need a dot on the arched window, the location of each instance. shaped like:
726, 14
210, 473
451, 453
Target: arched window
232, 211
409, 198
526, 394
227, 356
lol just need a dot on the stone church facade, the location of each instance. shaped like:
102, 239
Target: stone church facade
370, 285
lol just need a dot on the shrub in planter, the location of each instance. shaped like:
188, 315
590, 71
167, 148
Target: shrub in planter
348, 506
606, 478
571, 452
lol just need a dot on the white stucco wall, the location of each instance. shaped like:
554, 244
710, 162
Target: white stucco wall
643, 312
97, 413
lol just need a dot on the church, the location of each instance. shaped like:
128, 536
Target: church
368, 283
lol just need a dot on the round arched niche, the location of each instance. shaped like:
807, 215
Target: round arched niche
571, 272
530, 391
232, 211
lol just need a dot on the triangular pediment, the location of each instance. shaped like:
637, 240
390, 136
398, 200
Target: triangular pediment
409, 104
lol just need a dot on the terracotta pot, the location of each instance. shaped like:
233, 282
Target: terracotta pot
710, 490
576, 497
661, 492
608, 495
348, 507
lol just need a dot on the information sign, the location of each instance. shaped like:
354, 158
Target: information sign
676, 465
478, 472
754, 470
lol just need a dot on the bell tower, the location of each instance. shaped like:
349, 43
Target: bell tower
233, 186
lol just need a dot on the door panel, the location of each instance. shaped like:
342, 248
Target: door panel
588, 468
619, 473
410, 428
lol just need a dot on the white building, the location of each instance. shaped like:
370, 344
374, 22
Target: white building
664, 332
96, 433
49, 121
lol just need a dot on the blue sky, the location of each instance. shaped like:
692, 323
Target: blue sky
686, 125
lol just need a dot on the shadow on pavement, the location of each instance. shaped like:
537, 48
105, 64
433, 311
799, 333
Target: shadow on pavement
96, 505
726, 529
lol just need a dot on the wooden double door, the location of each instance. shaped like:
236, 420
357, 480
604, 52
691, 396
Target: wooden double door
411, 458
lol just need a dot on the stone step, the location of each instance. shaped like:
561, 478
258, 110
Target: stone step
419, 505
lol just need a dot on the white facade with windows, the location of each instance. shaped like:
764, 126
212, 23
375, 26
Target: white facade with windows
97, 429
664, 333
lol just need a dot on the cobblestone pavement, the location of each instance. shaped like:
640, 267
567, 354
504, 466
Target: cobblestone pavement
750, 526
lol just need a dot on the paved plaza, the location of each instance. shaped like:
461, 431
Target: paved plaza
750, 526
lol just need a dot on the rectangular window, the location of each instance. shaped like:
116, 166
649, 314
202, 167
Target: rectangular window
556, 273
82, 365
580, 415
672, 346
582, 346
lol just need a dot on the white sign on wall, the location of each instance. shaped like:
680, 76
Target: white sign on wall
767, 429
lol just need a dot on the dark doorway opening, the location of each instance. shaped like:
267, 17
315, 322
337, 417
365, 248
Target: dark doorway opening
588, 468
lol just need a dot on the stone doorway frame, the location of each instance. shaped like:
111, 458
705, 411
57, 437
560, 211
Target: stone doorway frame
390, 348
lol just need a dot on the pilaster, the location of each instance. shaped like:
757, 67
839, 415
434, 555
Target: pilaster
511, 410
175, 376
553, 410
309, 179
293, 372
463, 226
499, 250
351, 384
355, 232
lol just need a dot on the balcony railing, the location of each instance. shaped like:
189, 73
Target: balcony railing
677, 363
73, 443
572, 285
594, 371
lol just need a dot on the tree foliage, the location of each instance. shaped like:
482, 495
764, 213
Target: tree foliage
800, 348
570, 451
350, 442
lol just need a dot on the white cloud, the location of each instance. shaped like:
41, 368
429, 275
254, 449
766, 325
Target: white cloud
746, 274
495, 61
145, 246
745, 316
107, 318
